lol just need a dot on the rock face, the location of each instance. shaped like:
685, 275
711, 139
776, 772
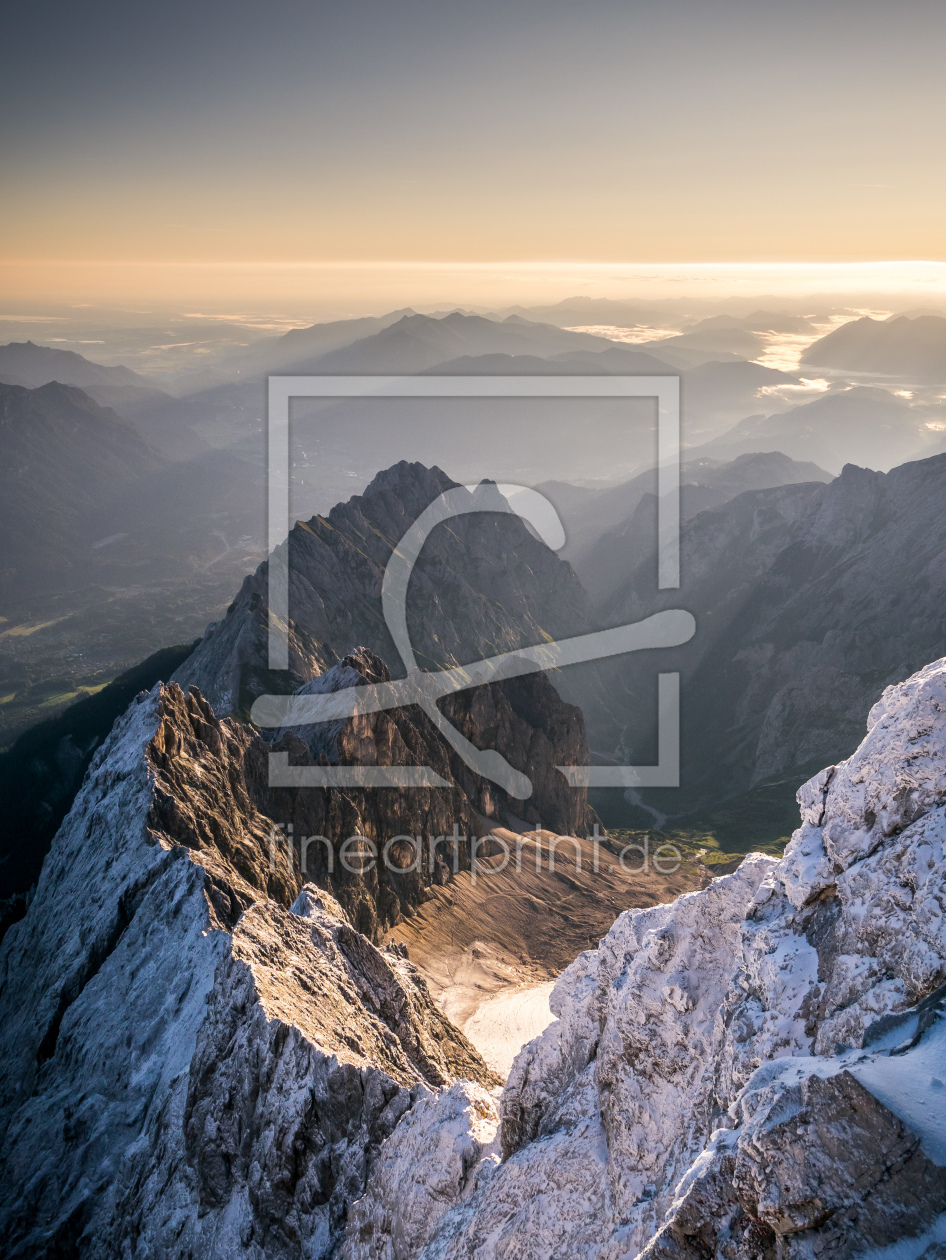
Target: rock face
199, 1055
434, 1159
42, 772
752, 1072
484, 585
615, 531
525, 718
195, 1057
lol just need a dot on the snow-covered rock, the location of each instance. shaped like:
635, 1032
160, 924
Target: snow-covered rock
756, 1070
194, 1060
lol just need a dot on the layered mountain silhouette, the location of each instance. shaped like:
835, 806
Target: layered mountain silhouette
61, 456
169, 423
690, 349
865, 424
417, 342
198, 520
756, 322
403, 341
112, 549
711, 394
83, 487
600, 312
610, 532
24, 363
912, 349
809, 600
302, 345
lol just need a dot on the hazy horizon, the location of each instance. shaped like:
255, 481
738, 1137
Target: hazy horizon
301, 159
314, 292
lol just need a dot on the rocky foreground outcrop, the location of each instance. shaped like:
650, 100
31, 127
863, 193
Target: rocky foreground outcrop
196, 1057
755, 1071
200, 1058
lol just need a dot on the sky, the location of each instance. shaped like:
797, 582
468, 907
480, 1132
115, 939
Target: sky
225, 147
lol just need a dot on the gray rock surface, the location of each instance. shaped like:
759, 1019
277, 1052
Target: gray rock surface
195, 1058
754, 1071
525, 718
483, 585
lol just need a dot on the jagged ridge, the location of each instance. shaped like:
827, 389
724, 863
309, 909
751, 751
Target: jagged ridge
193, 1060
750, 1072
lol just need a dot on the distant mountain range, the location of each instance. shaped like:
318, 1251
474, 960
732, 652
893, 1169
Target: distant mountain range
690, 349
799, 589
756, 322
136, 546
111, 549
809, 599
911, 349
168, 423
712, 393
303, 345
610, 532
863, 425
62, 456
416, 342
599, 311
29, 365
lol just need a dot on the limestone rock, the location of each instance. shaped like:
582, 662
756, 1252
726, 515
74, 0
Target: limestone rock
483, 585
194, 1060
524, 718
755, 1071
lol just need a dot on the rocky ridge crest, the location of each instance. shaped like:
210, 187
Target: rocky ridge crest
483, 585
196, 1057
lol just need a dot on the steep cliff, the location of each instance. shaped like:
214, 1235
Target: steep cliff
196, 1058
525, 718
754, 1071
484, 584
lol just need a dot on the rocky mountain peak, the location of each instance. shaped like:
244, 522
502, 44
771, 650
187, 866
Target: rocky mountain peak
482, 585
413, 484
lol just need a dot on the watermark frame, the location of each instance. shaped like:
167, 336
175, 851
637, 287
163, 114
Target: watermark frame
665, 390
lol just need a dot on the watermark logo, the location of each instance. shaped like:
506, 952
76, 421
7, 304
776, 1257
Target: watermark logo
670, 628
489, 855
